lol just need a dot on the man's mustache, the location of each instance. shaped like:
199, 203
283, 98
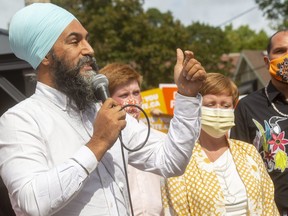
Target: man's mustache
86, 60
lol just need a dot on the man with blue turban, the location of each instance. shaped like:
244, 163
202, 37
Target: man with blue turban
59, 149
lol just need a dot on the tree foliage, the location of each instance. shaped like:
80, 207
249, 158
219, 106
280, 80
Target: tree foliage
209, 44
122, 31
245, 38
276, 11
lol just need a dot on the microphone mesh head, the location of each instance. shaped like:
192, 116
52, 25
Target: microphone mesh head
100, 84
100, 80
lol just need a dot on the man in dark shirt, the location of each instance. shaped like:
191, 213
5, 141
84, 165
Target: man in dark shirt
261, 118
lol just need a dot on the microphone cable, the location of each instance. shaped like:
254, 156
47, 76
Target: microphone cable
132, 150
100, 82
148, 132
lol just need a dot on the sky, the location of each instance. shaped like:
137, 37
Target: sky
212, 12
7, 9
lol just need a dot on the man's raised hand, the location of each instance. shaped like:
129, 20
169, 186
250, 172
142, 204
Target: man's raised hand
189, 75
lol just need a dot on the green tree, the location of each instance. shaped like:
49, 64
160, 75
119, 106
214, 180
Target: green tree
209, 44
276, 11
113, 25
245, 38
157, 56
122, 31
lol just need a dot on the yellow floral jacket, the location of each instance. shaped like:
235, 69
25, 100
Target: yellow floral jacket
198, 192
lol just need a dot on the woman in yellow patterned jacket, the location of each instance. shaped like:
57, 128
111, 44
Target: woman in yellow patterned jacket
224, 176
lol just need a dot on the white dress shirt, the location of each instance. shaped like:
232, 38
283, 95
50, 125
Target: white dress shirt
231, 184
48, 170
145, 191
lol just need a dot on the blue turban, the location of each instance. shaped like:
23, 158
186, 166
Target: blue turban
34, 30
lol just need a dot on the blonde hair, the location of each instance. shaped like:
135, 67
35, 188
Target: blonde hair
217, 83
119, 74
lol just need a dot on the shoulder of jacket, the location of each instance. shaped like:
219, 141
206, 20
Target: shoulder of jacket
248, 147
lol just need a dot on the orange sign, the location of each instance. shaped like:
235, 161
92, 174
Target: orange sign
153, 100
169, 92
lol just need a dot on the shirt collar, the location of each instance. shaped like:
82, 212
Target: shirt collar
52, 94
60, 99
273, 93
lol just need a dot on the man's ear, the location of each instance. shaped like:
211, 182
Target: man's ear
267, 61
46, 60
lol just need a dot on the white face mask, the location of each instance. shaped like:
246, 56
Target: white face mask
217, 122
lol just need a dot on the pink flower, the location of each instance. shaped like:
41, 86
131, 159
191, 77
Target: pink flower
278, 141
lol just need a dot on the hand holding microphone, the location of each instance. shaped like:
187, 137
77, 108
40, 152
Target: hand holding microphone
109, 122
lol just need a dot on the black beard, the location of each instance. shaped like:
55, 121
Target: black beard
78, 88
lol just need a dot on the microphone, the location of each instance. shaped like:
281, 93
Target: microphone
100, 84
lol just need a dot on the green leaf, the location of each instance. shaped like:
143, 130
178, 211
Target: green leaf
281, 160
262, 131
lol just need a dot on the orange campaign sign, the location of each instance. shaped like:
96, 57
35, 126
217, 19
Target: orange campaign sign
153, 100
169, 92
161, 101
